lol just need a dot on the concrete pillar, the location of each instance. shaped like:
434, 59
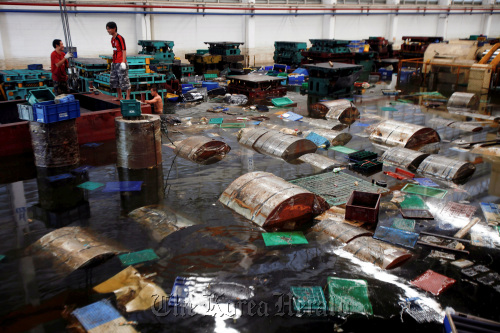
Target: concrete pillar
442, 25
143, 28
249, 34
393, 23
486, 21
328, 31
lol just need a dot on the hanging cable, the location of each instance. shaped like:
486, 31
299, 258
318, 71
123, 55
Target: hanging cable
72, 75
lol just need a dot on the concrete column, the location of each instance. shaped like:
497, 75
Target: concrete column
143, 27
249, 35
486, 21
328, 21
393, 23
442, 25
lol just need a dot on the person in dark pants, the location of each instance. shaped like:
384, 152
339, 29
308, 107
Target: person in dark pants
58, 66
119, 68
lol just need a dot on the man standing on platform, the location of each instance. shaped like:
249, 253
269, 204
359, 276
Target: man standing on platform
58, 66
119, 68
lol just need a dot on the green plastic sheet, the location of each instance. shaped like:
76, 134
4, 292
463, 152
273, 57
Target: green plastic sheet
424, 190
342, 149
284, 238
90, 185
413, 202
348, 296
128, 259
403, 224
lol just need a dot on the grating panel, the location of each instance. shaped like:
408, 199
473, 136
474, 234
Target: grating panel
348, 296
457, 210
433, 282
419, 311
462, 263
336, 188
342, 149
216, 120
96, 314
284, 238
308, 299
403, 224
424, 190
396, 236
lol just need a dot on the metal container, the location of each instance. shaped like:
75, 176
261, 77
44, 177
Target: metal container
331, 124
363, 207
463, 100
341, 109
392, 133
74, 247
379, 253
446, 168
340, 231
272, 202
138, 142
335, 138
319, 161
402, 157
202, 150
274, 143
55, 144
464, 126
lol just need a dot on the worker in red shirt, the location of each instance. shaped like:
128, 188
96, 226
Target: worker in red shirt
58, 66
119, 68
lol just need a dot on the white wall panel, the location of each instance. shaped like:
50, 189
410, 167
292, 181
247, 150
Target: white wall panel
360, 27
458, 25
416, 25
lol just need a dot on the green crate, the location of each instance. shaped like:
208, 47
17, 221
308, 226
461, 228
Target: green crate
134, 258
210, 76
348, 296
424, 190
40, 95
308, 299
284, 238
282, 101
216, 120
130, 108
305, 85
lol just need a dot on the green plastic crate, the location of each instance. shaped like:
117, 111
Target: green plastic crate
210, 76
305, 85
282, 101
308, 299
348, 296
216, 120
40, 95
202, 51
134, 258
284, 238
130, 108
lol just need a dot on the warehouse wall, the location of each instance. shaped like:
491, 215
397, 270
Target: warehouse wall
26, 37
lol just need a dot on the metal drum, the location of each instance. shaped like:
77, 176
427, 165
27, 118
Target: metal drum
392, 133
464, 126
340, 231
274, 143
272, 202
74, 247
335, 138
446, 168
463, 100
138, 142
319, 161
202, 150
406, 158
331, 124
55, 144
341, 109
379, 253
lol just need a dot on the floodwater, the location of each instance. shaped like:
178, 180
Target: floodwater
237, 283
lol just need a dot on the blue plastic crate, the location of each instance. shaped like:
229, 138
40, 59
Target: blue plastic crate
35, 66
281, 67
209, 85
291, 116
180, 292
66, 99
96, 314
385, 74
268, 68
50, 112
187, 87
295, 79
302, 71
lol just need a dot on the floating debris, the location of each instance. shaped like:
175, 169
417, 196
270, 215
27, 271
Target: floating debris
392, 133
202, 150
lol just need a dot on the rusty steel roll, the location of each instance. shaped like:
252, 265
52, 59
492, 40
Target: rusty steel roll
272, 202
379, 253
462, 100
340, 231
446, 168
138, 142
341, 109
331, 124
392, 133
335, 138
406, 158
55, 144
319, 161
274, 143
202, 150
